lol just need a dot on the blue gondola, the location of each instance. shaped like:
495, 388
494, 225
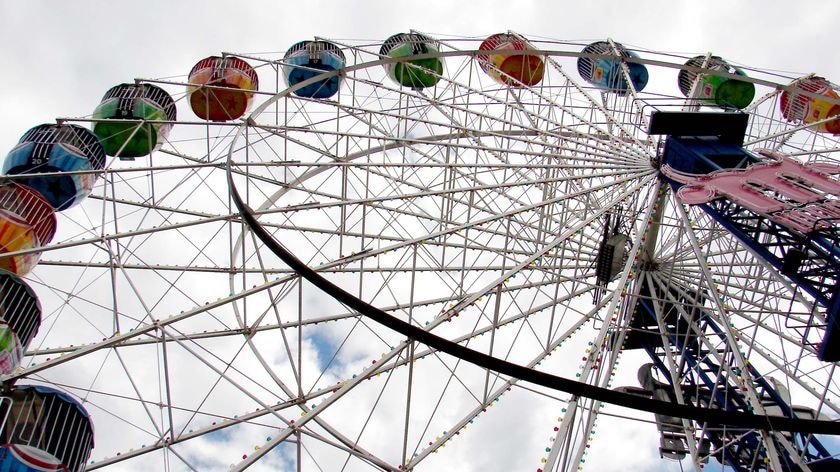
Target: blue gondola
607, 73
57, 148
45, 429
307, 59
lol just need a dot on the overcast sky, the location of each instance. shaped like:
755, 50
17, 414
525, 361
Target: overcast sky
57, 58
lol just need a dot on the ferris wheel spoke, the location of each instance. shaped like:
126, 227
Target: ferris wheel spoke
482, 185
571, 434
224, 423
352, 444
222, 372
490, 398
518, 129
558, 105
475, 223
499, 156
348, 445
310, 415
594, 104
672, 360
748, 279
814, 384
375, 202
404, 306
118, 338
66, 295
711, 365
732, 349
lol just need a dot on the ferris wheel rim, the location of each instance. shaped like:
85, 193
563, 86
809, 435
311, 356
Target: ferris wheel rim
272, 199
266, 237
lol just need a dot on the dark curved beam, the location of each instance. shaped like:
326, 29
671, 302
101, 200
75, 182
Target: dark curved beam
627, 400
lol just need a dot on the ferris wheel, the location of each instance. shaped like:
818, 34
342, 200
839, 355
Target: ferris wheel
429, 253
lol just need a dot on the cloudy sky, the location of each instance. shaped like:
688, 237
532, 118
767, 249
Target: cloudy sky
58, 58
